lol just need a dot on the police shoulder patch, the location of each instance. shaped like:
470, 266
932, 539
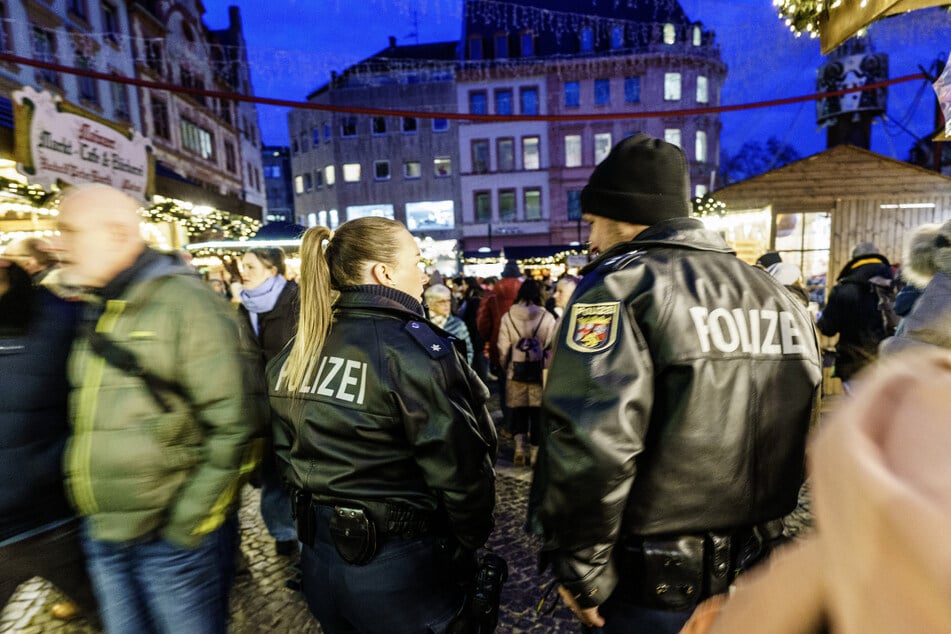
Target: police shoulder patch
436, 346
593, 327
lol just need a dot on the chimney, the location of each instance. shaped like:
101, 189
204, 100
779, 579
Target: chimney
392, 42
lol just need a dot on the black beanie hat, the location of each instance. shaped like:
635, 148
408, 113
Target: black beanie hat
642, 181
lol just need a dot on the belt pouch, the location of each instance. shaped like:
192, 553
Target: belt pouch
354, 535
668, 574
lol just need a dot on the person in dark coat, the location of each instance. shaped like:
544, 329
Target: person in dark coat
269, 303
39, 532
468, 312
852, 312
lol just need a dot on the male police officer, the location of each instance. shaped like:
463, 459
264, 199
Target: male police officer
675, 416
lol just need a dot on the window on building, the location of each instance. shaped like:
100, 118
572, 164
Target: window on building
88, 90
572, 94
381, 170
483, 206
308, 181
44, 50
480, 156
197, 139
503, 101
351, 172
507, 208
572, 150
304, 143
533, 203
475, 47
529, 100
530, 153
440, 125
697, 36
670, 34
295, 146
379, 125
77, 8
154, 57
574, 204
330, 175
703, 91
326, 131
348, 126
231, 159
804, 239
318, 178
602, 146
672, 136
527, 40
298, 184
602, 92
586, 40
506, 154
442, 166
412, 169
699, 190
501, 45
224, 110
110, 22
617, 37
409, 125
6, 42
632, 89
334, 219
478, 102
160, 127
671, 86
315, 136
700, 149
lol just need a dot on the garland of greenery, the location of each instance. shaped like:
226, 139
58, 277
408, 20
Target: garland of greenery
805, 16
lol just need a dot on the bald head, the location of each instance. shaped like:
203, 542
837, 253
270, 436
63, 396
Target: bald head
99, 234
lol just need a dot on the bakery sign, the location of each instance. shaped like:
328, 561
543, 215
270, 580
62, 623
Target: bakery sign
57, 142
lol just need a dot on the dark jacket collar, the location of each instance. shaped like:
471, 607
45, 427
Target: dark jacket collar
678, 233
381, 297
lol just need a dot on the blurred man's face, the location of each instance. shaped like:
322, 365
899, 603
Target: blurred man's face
86, 249
563, 292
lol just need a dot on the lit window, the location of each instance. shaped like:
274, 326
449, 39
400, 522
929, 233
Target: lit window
330, 175
381, 170
334, 219
672, 136
602, 146
298, 184
697, 36
602, 92
533, 204
442, 166
530, 153
701, 146
412, 169
670, 35
572, 94
703, 92
351, 172
573, 150
671, 86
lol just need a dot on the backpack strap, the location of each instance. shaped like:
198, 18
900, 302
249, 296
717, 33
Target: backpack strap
126, 361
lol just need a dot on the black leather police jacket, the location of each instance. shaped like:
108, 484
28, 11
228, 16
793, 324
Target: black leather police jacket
390, 412
678, 400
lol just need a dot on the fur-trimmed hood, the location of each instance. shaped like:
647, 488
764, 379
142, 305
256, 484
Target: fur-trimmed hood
927, 252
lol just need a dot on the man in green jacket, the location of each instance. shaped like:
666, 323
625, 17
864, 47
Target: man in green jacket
164, 409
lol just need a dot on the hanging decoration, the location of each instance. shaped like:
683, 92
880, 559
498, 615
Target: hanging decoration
203, 222
706, 206
805, 16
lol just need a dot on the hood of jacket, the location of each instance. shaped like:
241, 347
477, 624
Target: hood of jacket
865, 267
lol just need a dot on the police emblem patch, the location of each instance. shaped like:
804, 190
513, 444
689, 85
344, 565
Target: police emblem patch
593, 327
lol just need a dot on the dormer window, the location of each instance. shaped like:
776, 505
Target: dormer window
475, 47
697, 36
501, 45
670, 35
617, 37
586, 40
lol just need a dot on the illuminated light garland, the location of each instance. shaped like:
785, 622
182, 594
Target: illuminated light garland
706, 206
804, 16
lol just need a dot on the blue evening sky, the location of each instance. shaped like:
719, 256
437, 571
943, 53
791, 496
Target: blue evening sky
294, 44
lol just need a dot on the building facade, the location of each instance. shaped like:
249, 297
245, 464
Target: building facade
276, 165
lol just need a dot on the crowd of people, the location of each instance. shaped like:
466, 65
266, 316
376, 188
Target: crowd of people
663, 399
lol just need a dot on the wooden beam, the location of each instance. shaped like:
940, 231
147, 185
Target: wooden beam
849, 17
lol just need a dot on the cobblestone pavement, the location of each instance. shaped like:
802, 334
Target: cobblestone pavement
261, 603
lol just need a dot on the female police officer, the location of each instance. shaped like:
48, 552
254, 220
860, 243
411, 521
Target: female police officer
382, 426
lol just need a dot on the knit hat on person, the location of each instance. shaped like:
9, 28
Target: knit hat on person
865, 248
511, 269
768, 259
642, 181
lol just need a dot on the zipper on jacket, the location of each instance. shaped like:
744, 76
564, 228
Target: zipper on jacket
85, 416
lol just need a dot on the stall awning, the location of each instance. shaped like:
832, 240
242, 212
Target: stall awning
172, 185
847, 18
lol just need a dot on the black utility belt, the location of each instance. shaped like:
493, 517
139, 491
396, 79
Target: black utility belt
357, 528
677, 572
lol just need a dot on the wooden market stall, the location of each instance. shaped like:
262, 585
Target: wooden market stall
820, 207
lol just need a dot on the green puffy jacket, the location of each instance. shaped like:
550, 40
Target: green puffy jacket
135, 470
